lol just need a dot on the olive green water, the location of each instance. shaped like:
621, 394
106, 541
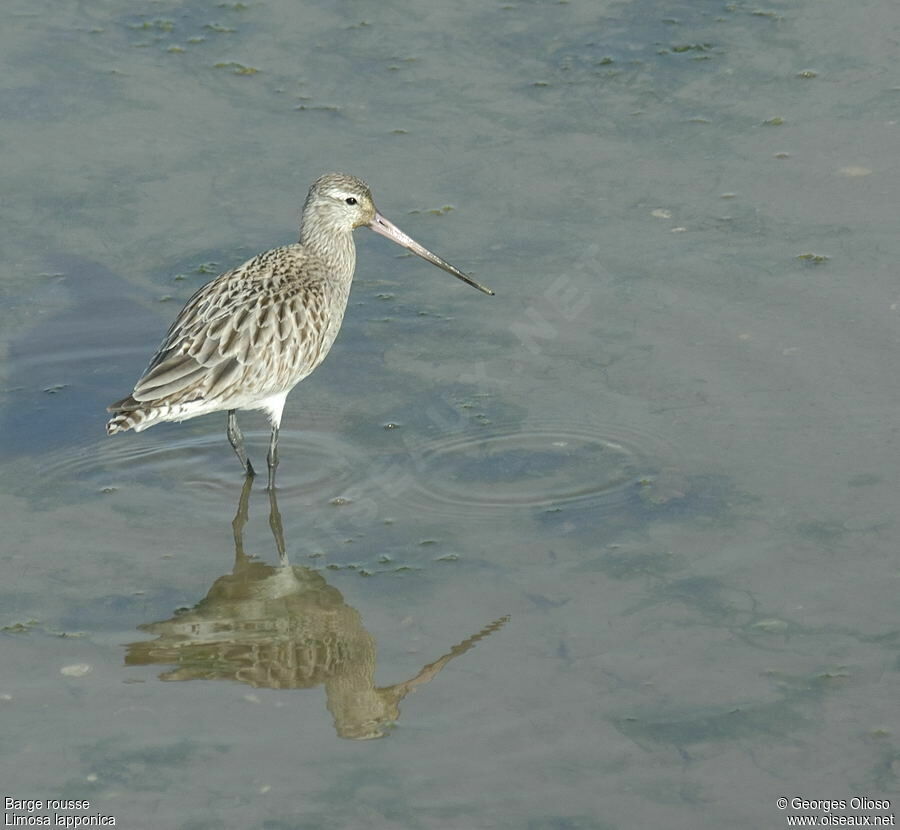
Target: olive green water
666, 450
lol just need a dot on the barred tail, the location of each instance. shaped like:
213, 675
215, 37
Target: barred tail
127, 414
125, 421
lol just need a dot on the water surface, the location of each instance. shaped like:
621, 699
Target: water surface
666, 449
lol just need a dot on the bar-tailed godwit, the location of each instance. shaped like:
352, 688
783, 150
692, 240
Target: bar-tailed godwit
246, 338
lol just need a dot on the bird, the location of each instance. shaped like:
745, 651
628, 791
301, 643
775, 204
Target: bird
245, 339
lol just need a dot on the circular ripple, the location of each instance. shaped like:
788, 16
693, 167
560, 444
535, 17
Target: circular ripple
534, 467
315, 466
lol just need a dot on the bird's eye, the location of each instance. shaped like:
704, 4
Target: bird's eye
350, 200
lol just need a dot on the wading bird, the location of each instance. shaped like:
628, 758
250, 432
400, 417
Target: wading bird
249, 336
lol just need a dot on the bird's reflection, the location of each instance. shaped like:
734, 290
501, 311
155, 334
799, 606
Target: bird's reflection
284, 627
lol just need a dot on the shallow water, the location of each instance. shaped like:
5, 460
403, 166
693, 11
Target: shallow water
666, 449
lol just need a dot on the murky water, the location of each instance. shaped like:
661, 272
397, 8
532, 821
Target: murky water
666, 450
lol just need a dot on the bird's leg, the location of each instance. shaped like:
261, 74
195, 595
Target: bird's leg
277, 528
272, 456
236, 439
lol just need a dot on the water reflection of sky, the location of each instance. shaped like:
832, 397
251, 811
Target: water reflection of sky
664, 448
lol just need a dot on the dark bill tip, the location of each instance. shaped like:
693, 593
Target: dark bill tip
386, 228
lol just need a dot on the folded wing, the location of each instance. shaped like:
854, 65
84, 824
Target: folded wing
239, 338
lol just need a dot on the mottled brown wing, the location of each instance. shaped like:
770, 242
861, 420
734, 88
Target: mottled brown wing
249, 333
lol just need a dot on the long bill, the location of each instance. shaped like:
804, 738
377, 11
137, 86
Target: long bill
386, 228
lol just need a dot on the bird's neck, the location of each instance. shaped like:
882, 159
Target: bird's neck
333, 246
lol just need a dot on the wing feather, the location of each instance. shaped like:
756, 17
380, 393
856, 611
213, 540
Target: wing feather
206, 348
253, 331
160, 390
219, 380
